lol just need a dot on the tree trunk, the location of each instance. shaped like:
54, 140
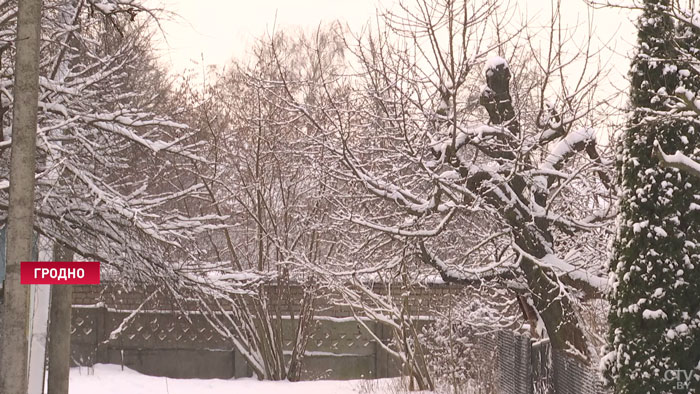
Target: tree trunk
556, 309
59, 332
13, 359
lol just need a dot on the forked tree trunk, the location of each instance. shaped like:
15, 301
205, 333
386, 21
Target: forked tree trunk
554, 307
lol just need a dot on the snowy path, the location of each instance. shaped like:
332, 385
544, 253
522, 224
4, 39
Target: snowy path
110, 379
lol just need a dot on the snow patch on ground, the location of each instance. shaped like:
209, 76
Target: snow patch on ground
110, 379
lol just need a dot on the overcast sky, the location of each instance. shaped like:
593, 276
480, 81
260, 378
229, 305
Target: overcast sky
219, 30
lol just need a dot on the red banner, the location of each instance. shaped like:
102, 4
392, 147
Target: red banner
60, 273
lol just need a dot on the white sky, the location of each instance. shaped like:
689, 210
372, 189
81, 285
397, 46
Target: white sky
218, 30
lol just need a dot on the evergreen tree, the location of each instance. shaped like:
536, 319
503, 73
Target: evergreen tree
654, 336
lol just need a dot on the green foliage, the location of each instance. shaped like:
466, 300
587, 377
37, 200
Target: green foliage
654, 318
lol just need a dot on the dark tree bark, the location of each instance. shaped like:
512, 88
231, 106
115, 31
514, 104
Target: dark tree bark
59, 329
556, 309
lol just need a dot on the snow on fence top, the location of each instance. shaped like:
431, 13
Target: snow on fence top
114, 297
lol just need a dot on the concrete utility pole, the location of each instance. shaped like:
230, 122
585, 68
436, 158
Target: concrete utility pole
13, 354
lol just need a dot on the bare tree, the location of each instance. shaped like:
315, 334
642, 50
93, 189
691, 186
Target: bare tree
476, 200
103, 147
105, 151
260, 177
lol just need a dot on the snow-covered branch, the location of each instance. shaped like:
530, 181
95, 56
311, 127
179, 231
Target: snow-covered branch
677, 160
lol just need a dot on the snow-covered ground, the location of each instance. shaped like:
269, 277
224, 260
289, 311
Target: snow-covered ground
110, 379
